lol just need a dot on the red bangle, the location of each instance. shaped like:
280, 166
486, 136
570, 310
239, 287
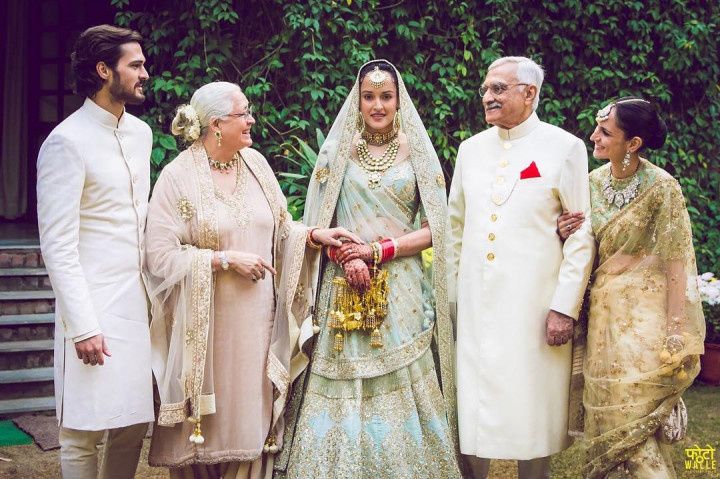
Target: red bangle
388, 249
332, 253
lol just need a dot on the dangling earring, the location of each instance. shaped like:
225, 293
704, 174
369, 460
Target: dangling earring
626, 161
360, 124
218, 135
396, 121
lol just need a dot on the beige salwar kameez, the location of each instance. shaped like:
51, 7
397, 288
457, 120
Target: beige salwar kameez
236, 402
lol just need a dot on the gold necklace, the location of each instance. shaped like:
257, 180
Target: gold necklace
224, 167
373, 166
379, 138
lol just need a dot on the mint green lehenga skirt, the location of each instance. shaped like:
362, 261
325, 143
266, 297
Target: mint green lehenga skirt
391, 425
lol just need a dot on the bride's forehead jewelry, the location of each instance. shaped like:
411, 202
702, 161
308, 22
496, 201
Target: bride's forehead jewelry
604, 113
378, 78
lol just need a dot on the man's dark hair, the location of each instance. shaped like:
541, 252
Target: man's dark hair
98, 44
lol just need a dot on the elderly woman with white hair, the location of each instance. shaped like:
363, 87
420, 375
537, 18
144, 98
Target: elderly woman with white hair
228, 274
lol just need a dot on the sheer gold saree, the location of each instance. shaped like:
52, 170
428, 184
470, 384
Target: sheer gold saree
644, 292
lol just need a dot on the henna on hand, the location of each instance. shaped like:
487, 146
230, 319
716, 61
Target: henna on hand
357, 274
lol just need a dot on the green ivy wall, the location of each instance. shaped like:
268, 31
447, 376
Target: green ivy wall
297, 60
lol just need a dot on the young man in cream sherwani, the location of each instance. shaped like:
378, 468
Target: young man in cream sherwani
93, 184
517, 287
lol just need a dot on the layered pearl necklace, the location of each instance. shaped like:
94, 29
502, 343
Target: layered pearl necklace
373, 166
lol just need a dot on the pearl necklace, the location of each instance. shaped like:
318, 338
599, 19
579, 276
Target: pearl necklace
375, 167
224, 167
620, 198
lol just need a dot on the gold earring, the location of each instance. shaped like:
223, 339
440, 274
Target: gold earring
360, 124
218, 135
396, 121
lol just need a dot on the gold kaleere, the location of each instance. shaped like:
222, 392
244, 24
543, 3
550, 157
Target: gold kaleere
355, 311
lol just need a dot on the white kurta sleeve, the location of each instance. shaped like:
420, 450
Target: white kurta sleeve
579, 248
456, 225
60, 182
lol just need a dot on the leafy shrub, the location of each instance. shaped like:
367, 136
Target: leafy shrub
297, 60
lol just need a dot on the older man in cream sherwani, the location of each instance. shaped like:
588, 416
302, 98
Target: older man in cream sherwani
93, 186
518, 288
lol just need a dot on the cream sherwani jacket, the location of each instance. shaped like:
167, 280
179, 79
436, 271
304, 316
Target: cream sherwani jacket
508, 268
93, 183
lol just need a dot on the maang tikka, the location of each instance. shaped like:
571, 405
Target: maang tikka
377, 77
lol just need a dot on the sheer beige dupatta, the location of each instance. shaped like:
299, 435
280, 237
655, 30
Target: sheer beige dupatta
181, 237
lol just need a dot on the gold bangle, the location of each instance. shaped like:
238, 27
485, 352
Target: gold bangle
310, 242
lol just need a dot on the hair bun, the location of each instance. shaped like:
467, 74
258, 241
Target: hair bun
186, 123
659, 133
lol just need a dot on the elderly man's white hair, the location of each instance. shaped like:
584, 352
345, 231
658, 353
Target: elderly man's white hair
527, 72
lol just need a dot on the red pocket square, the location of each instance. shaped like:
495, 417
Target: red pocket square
530, 172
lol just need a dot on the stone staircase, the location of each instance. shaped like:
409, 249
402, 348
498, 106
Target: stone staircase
27, 326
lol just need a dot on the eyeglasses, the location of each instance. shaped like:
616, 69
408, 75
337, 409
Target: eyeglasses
498, 89
245, 115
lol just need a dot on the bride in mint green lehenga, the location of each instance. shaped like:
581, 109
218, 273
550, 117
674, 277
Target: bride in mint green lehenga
378, 412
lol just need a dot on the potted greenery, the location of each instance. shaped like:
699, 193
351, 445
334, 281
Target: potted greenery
710, 362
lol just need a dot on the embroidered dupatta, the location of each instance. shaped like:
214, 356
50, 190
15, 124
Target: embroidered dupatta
182, 235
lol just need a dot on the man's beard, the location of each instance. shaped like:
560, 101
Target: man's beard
125, 95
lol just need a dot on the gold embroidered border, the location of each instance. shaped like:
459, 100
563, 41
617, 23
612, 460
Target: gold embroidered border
372, 366
197, 333
175, 413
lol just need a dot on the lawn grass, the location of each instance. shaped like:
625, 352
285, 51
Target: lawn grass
703, 403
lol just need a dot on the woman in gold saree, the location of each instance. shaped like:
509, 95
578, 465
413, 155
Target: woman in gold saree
645, 323
228, 278
370, 403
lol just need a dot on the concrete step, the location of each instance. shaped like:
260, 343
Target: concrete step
14, 376
24, 346
23, 272
15, 406
26, 295
25, 319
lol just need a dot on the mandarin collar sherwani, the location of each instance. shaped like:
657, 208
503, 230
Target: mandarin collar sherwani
92, 188
508, 268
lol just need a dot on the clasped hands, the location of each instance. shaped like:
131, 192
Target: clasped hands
253, 267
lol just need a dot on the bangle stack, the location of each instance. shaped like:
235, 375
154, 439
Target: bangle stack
384, 250
310, 241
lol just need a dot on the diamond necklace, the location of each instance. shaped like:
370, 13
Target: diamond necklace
620, 198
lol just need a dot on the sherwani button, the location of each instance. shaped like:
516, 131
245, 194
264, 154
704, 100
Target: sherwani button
490, 256
137, 202
507, 145
500, 180
497, 198
493, 217
503, 163
491, 236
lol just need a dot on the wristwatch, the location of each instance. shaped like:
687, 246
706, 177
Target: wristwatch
224, 264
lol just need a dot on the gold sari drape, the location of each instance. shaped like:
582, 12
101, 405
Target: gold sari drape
644, 291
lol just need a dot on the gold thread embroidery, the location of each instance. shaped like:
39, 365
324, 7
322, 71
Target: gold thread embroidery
321, 175
186, 210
